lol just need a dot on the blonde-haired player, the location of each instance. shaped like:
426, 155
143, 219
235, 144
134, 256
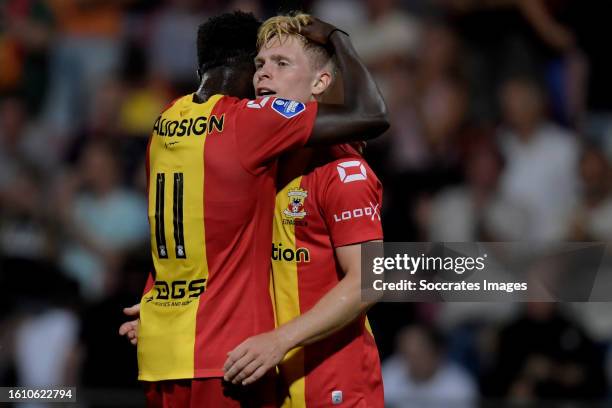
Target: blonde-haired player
323, 343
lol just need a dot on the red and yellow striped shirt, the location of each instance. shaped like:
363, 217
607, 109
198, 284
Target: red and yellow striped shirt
334, 205
211, 169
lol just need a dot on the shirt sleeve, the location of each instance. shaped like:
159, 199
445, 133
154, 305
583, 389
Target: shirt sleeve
149, 283
269, 126
351, 203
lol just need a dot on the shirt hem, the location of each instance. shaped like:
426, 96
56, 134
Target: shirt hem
201, 373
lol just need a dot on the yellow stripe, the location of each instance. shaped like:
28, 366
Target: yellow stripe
368, 327
286, 295
167, 333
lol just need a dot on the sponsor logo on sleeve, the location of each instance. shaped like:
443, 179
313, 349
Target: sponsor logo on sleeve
258, 104
371, 211
350, 171
288, 108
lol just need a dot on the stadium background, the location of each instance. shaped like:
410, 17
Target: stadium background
501, 125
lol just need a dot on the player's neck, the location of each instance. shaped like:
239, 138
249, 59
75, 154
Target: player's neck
225, 81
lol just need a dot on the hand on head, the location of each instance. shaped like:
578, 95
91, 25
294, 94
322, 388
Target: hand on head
317, 31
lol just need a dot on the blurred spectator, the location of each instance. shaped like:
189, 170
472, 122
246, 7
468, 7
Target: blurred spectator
44, 344
471, 328
589, 22
477, 211
102, 122
122, 115
420, 375
592, 220
26, 230
144, 94
541, 160
85, 54
389, 33
13, 148
103, 220
22, 143
427, 103
545, 354
25, 227
140, 98
524, 37
438, 53
42, 326
99, 337
26, 28
342, 13
172, 46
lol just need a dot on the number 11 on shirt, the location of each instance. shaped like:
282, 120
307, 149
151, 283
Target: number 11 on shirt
177, 216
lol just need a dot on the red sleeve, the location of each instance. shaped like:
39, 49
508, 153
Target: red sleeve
149, 283
351, 203
269, 126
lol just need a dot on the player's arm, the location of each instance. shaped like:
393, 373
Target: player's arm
363, 115
337, 308
341, 305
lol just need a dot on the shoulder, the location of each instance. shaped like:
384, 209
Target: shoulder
282, 108
187, 101
174, 102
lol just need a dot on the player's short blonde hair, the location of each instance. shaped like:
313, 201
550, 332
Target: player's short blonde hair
282, 27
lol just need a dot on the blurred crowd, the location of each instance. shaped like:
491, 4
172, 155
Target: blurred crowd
501, 131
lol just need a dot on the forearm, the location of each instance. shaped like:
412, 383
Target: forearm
337, 308
363, 115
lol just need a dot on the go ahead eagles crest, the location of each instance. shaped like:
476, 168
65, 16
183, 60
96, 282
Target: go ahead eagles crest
295, 208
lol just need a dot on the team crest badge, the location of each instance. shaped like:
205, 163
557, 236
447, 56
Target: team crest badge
295, 208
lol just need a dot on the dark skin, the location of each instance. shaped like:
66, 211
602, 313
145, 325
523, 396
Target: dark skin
362, 116
235, 80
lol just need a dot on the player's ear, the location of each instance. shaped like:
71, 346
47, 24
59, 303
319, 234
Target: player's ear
321, 83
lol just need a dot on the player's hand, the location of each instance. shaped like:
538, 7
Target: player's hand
317, 31
130, 329
253, 358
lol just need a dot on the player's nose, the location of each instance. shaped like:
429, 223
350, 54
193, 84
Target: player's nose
263, 73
